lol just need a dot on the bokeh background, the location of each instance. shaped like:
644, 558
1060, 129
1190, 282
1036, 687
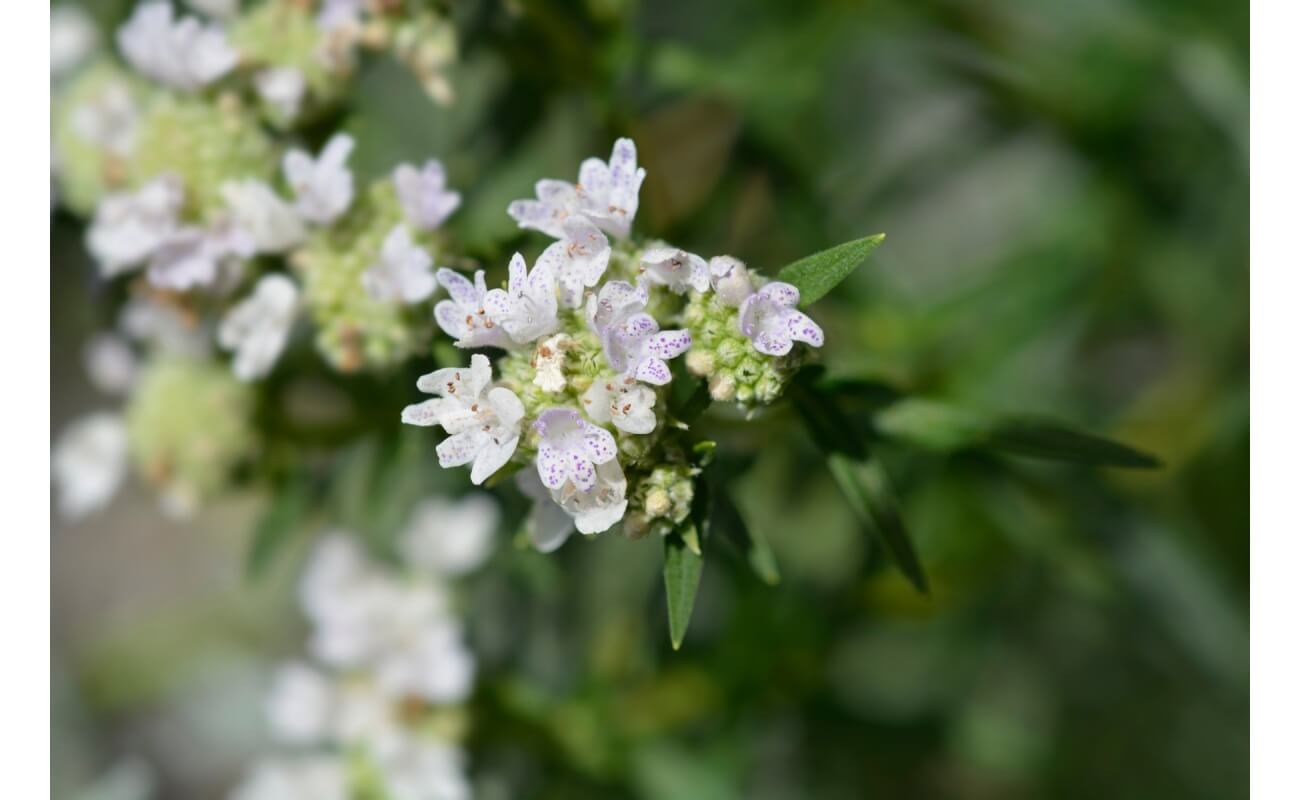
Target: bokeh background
1064, 189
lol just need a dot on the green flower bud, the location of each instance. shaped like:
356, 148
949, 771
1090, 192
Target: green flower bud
96, 118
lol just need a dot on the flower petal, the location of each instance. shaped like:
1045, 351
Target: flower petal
551, 466
654, 371
669, 344
801, 328
597, 443
491, 457
460, 449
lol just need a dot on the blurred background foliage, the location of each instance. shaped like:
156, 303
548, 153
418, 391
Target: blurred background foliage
1064, 188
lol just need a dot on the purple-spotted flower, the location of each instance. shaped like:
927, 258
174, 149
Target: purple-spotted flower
677, 269
464, 317
426, 200
526, 309
571, 448
633, 343
483, 421
622, 401
772, 321
556, 201
609, 192
580, 258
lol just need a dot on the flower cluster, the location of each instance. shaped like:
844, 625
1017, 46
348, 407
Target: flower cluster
377, 710
588, 336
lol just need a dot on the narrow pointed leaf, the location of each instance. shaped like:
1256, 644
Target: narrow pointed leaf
1034, 438
870, 495
682, 569
815, 275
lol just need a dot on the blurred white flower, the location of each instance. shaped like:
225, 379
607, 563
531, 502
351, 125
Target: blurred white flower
160, 326
426, 200
89, 463
282, 88
624, 402
182, 53
677, 269
610, 192
526, 308
450, 538
257, 327
580, 258
73, 37
259, 212
322, 186
300, 705
483, 422
111, 363
193, 257
463, 316
404, 272
548, 525
428, 660
335, 14
570, 448
109, 119
304, 777
130, 227
771, 319
425, 770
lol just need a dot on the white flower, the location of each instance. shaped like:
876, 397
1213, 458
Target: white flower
268, 220
676, 269
730, 279
89, 463
548, 525
300, 704
424, 769
365, 715
770, 319
548, 363
624, 402
322, 186
282, 88
129, 227
597, 509
556, 202
580, 258
631, 338
570, 448
483, 422
429, 660
183, 54
111, 363
109, 119
258, 327
610, 192
161, 326
192, 257
307, 777
335, 14
464, 317
426, 200
448, 538
73, 37
404, 272
343, 595
526, 309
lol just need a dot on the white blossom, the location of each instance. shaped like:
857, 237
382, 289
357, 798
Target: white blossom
305, 777
609, 192
426, 200
268, 220
282, 88
110, 363
622, 401
323, 186
193, 257
730, 280
526, 309
633, 343
73, 37
449, 538
160, 326
404, 272
300, 705
556, 202
771, 319
677, 269
89, 463
257, 327
580, 259
483, 422
183, 53
130, 227
464, 316
109, 119
548, 525
428, 659
424, 769
336, 14
597, 509
570, 448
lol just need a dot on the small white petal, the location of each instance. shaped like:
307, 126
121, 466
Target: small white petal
323, 186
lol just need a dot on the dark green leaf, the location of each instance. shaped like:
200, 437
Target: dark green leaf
682, 569
289, 507
870, 495
727, 520
815, 275
831, 428
1035, 438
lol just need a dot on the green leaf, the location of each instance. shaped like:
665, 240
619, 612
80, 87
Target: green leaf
289, 507
1037, 438
727, 520
682, 569
831, 428
815, 275
866, 486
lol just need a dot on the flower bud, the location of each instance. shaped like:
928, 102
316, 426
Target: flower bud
730, 279
700, 362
